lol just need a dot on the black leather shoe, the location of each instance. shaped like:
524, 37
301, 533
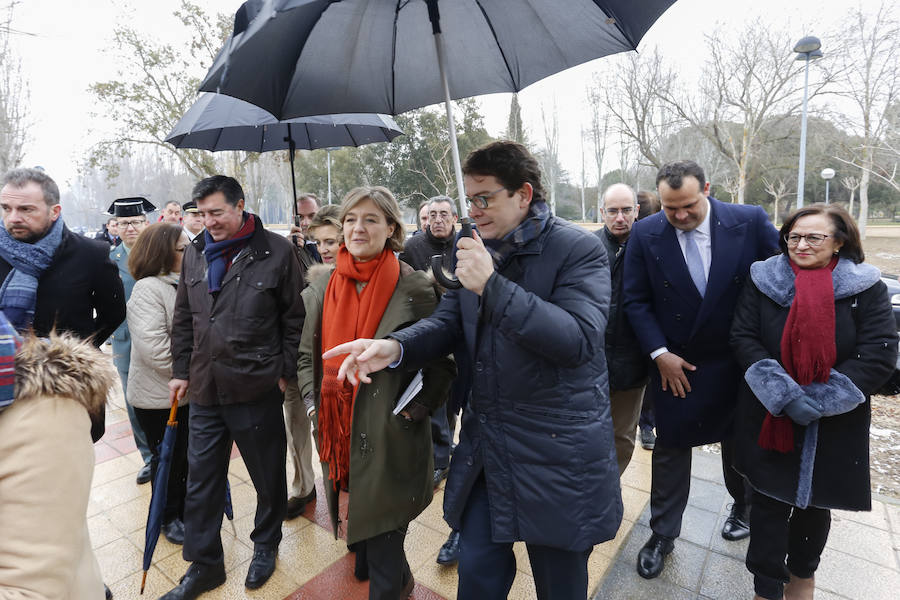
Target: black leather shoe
198, 579
174, 531
440, 475
449, 552
261, 568
107, 592
737, 525
297, 504
648, 438
143, 475
652, 557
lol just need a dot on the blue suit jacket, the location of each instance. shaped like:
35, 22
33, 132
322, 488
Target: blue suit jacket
121, 338
665, 309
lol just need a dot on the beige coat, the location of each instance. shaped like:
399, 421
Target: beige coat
46, 466
150, 311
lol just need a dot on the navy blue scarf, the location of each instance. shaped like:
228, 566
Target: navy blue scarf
527, 230
219, 255
18, 293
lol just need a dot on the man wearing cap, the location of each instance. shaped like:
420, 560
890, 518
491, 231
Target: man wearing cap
192, 222
131, 216
235, 335
50, 276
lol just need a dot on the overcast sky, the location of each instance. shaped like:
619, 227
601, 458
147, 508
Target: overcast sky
72, 48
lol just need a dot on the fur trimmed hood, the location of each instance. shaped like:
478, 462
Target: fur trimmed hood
775, 278
63, 365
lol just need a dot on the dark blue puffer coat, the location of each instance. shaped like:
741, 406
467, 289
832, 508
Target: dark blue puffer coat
537, 420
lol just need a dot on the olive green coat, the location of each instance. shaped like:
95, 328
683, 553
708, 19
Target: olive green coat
391, 460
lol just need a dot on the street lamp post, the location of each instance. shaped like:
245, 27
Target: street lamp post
807, 49
827, 175
328, 152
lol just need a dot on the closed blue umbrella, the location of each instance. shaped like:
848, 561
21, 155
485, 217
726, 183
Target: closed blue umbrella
160, 489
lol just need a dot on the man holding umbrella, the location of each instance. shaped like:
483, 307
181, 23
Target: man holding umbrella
234, 348
536, 429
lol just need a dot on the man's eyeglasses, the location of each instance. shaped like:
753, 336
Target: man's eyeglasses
133, 224
614, 212
481, 200
443, 215
813, 239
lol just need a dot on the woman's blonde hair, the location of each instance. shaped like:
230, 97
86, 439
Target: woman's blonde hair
386, 203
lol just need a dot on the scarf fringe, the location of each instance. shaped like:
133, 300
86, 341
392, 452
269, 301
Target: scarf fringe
777, 433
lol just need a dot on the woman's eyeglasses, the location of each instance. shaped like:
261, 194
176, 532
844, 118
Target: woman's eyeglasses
813, 239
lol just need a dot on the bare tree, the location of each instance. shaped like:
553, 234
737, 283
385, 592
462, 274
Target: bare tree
870, 79
156, 87
633, 100
550, 154
851, 184
600, 129
14, 97
751, 83
778, 189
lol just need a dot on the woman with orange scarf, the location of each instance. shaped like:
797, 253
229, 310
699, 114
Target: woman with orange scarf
384, 460
814, 332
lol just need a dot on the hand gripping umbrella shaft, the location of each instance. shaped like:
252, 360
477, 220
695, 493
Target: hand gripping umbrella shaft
449, 282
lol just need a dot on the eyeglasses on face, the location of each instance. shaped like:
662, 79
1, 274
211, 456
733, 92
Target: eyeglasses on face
134, 224
813, 239
481, 200
614, 212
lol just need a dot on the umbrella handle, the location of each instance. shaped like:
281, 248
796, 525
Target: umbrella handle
437, 261
173, 411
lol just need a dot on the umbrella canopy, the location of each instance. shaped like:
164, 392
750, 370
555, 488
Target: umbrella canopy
308, 57
216, 122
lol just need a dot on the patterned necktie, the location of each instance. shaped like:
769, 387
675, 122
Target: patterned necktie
694, 262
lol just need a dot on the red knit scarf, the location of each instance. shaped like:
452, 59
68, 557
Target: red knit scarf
346, 316
807, 345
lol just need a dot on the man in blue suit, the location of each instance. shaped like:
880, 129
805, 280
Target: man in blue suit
684, 269
132, 219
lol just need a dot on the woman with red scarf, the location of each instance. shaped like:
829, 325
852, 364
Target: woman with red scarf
815, 335
384, 460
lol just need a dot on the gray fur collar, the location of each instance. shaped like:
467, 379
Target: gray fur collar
775, 278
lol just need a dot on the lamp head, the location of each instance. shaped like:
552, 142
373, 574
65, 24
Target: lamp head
808, 44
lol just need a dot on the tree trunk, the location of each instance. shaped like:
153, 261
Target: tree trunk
864, 197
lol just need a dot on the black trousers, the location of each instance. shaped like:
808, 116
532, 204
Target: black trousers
671, 484
386, 560
779, 530
153, 422
487, 568
258, 430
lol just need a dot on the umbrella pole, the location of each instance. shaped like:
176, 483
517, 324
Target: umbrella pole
292, 147
465, 221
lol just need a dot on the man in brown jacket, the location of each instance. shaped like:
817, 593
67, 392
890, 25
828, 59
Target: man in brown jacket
235, 335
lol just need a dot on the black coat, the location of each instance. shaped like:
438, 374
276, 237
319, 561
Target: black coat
418, 250
233, 347
537, 422
81, 280
628, 366
866, 344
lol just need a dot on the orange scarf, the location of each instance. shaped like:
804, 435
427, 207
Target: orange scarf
346, 316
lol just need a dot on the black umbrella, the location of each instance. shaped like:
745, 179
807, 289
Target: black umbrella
306, 57
160, 490
216, 122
